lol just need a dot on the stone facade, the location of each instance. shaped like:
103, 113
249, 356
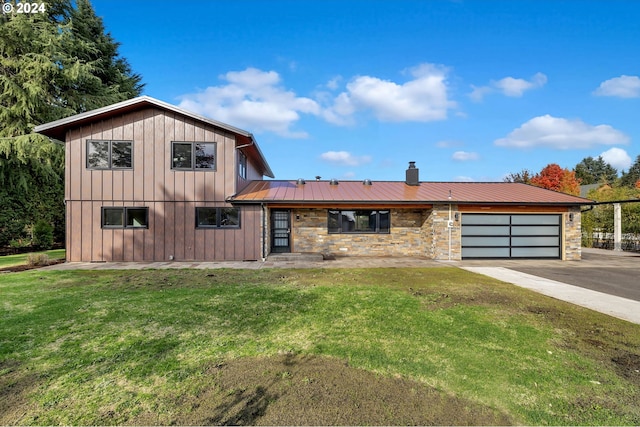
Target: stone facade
413, 232
406, 237
445, 243
572, 234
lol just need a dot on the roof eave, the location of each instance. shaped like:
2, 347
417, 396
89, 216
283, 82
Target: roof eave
399, 202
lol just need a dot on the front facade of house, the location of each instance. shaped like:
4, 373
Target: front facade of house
438, 220
146, 181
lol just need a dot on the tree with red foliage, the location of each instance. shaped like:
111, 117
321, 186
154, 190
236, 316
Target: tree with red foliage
553, 177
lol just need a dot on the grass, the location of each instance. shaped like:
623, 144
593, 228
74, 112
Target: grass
21, 259
150, 347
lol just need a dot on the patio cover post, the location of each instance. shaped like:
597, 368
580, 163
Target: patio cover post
617, 227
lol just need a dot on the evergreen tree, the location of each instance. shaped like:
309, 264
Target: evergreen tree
632, 176
112, 80
52, 65
594, 171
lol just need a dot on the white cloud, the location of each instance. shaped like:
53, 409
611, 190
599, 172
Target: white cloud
561, 134
348, 175
252, 99
447, 144
422, 99
618, 158
508, 86
344, 158
462, 178
464, 156
334, 82
622, 87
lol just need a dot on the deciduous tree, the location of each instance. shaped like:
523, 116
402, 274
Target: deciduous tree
524, 176
553, 177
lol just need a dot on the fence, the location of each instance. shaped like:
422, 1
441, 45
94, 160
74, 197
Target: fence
630, 241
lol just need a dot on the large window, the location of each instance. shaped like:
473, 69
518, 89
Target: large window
109, 154
217, 218
358, 221
125, 217
193, 155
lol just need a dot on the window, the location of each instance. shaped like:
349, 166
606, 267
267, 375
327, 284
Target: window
358, 221
217, 218
109, 154
242, 165
125, 217
193, 155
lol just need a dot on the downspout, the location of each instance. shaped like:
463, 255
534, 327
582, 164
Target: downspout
264, 232
449, 224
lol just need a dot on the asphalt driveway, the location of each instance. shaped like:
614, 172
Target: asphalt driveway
599, 270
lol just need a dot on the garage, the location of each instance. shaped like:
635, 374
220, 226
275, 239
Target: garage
511, 236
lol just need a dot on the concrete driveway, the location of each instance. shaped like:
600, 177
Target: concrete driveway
599, 270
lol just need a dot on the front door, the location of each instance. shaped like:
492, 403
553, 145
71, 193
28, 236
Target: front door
280, 231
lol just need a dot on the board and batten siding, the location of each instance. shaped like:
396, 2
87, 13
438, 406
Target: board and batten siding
170, 195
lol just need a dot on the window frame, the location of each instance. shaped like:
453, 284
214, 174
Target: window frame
193, 156
110, 143
218, 216
340, 226
125, 217
242, 165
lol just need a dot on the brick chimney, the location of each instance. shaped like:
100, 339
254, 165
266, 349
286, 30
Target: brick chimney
412, 174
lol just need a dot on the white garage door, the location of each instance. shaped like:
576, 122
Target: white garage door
511, 236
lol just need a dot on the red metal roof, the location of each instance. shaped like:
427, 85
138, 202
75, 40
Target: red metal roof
398, 192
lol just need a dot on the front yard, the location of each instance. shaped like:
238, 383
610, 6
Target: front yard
334, 346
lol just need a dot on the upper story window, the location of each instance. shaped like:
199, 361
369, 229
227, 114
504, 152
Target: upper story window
193, 155
109, 154
242, 165
358, 221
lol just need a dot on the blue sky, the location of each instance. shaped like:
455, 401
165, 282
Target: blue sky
470, 90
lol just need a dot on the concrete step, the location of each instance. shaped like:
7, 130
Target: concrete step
296, 256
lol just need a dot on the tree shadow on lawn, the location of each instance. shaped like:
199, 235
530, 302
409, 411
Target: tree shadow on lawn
15, 387
310, 390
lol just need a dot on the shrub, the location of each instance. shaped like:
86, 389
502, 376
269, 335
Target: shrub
43, 235
19, 243
37, 260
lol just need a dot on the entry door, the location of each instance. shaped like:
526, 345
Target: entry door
280, 230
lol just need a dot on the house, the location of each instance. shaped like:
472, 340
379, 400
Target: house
147, 181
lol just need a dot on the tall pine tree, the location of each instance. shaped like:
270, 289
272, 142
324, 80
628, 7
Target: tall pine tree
52, 65
595, 171
631, 178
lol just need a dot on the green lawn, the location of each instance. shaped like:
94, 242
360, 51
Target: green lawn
21, 259
145, 347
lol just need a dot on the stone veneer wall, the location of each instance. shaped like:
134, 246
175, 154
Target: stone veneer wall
407, 237
437, 234
573, 235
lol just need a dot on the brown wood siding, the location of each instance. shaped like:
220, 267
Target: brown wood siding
171, 196
89, 242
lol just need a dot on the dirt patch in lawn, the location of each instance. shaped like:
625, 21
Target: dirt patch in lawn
25, 267
311, 390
